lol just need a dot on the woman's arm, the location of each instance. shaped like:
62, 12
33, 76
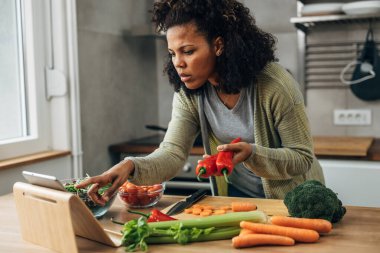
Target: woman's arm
293, 157
283, 145
157, 167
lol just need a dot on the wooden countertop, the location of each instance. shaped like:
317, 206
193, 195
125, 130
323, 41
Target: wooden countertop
359, 231
326, 147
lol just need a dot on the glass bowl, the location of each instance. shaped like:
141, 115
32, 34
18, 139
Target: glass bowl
97, 210
138, 196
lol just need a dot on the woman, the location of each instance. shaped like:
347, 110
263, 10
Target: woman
227, 85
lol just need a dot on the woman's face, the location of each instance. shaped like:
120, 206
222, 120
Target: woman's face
192, 56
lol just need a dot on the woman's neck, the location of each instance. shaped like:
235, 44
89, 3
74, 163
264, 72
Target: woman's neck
229, 100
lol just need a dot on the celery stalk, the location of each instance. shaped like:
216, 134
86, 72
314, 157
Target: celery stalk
225, 220
221, 234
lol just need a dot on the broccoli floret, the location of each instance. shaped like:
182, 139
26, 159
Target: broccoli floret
313, 200
339, 213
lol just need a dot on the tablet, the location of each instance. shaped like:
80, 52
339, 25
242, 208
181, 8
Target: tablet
43, 180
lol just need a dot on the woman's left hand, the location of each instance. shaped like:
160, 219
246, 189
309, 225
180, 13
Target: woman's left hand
242, 150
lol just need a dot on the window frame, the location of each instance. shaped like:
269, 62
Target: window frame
36, 49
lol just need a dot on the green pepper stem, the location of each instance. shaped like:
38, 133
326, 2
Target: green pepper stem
225, 174
116, 222
140, 213
201, 172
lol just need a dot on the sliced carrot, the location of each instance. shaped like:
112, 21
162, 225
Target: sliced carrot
219, 211
249, 240
206, 213
298, 234
188, 210
197, 211
319, 225
208, 207
197, 206
243, 206
245, 231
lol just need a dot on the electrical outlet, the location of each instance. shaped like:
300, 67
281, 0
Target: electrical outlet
354, 117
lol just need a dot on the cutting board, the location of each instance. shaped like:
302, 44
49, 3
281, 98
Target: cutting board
269, 206
342, 146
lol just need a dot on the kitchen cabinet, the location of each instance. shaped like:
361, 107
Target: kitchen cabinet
356, 182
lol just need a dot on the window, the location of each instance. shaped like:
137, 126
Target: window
24, 111
11, 73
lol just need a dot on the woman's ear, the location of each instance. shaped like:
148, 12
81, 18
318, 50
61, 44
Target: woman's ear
218, 46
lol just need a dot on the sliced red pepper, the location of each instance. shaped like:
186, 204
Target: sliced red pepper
206, 167
154, 216
224, 165
157, 215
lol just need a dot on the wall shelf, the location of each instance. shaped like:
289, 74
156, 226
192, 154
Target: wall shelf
308, 22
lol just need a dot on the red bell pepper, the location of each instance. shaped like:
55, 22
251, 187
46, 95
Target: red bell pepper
206, 167
224, 165
154, 216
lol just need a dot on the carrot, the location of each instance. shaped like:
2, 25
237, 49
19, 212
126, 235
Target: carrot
188, 210
298, 234
245, 231
243, 206
319, 225
249, 240
225, 207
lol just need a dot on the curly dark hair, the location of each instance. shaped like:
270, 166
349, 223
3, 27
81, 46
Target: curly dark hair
247, 49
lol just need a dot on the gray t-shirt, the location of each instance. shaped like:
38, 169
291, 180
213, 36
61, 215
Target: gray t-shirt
227, 124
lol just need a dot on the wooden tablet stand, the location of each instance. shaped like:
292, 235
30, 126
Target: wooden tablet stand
52, 219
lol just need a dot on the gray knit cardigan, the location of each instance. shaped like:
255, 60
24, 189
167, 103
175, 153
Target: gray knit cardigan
282, 152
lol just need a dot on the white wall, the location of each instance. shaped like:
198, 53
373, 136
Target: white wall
274, 16
118, 78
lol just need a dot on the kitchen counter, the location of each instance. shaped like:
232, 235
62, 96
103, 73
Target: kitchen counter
359, 231
345, 148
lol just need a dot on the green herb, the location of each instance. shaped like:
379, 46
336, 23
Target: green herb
70, 187
134, 234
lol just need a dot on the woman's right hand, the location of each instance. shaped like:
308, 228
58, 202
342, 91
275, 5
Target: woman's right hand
117, 175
